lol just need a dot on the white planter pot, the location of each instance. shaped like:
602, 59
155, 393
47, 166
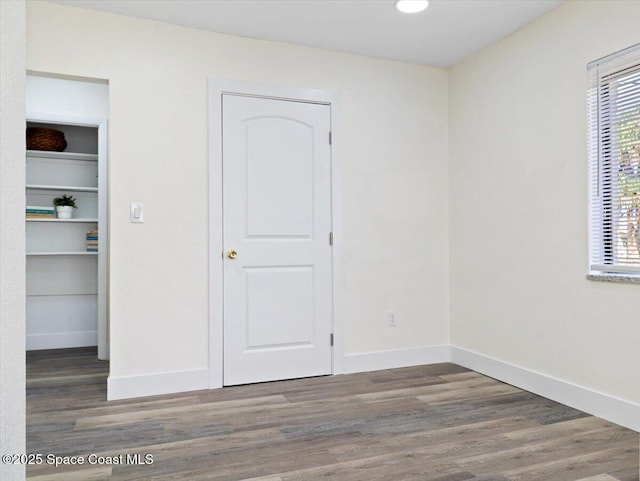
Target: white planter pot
64, 211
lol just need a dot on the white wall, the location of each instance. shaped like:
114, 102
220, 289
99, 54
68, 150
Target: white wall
68, 98
518, 197
12, 264
394, 141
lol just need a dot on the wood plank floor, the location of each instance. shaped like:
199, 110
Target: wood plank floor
430, 423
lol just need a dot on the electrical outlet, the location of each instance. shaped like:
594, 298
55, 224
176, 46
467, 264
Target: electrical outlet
392, 319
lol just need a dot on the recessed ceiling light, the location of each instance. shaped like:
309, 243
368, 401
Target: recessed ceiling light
412, 6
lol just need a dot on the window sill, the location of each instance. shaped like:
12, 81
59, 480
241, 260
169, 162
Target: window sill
610, 277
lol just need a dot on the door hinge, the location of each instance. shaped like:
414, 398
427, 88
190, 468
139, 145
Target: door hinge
331, 338
330, 138
330, 238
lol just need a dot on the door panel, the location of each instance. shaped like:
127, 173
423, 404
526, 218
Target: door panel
277, 216
280, 307
276, 206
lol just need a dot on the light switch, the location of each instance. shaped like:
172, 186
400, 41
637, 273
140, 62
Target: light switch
137, 212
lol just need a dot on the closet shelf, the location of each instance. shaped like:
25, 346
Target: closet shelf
78, 253
72, 188
62, 155
86, 221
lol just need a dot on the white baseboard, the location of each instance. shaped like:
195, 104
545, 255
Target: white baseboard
619, 411
61, 340
125, 387
374, 361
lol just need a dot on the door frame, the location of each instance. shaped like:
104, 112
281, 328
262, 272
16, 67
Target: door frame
217, 88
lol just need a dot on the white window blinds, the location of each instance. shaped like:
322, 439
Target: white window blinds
614, 157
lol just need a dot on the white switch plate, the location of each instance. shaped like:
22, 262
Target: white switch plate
137, 213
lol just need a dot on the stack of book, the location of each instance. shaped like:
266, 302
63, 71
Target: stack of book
40, 212
92, 241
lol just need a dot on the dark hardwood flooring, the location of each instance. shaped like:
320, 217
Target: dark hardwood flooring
429, 423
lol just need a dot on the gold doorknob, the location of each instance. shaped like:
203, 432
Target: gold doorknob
232, 254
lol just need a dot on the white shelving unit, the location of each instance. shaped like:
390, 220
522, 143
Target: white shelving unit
66, 284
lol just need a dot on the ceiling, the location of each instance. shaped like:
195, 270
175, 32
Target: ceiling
446, 33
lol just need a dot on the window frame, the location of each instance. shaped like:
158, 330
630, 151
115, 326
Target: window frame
604, 75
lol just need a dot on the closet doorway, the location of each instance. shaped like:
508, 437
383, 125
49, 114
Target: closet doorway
67, 254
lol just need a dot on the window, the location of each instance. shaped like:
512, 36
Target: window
614, 157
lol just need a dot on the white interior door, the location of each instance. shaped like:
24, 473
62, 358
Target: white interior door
277, 218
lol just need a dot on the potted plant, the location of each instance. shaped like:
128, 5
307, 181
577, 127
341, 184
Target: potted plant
64, 206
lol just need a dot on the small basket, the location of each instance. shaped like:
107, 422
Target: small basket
39, 138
